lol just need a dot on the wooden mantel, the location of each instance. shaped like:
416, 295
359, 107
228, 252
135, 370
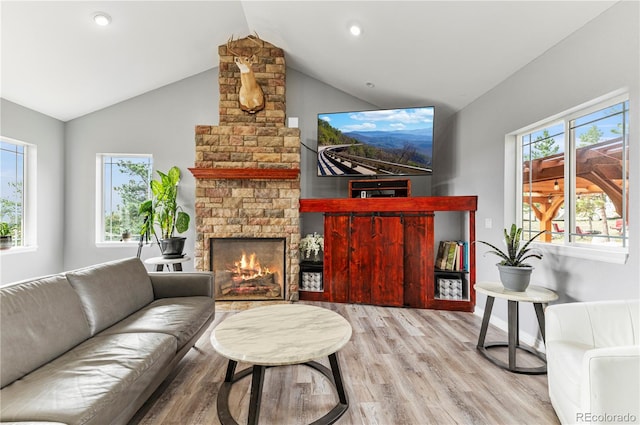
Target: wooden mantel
246, 173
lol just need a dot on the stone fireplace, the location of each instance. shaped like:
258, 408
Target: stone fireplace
247, 168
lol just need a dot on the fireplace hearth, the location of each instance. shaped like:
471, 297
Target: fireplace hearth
248, 268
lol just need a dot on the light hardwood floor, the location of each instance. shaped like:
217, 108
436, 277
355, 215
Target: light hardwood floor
401, 366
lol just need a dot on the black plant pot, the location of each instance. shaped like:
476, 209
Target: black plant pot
172, 247
6, 242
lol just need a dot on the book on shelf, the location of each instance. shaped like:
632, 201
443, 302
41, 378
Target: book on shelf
452, 256
441, 250
441, 262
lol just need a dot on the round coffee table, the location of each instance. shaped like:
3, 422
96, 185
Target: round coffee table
278, 335
537, 295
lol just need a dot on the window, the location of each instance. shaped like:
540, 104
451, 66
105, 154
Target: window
16, 190
575, 177
123, 184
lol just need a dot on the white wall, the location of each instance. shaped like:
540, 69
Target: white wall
47, 134
600, 58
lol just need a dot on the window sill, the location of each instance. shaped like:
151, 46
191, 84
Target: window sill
18, 250
116, 244
612, 255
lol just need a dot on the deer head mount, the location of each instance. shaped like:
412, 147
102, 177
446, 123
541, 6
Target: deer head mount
251, 97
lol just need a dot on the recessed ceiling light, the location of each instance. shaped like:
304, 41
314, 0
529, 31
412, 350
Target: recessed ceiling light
102, 19
355, 30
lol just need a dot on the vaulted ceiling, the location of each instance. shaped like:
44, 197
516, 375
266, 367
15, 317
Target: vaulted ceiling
55, 60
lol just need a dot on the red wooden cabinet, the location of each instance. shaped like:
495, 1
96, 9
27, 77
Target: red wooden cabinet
381, 251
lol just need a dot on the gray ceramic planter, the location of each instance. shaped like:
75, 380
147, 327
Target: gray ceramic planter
515, 278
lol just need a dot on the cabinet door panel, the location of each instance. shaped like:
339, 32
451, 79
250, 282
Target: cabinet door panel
388, 274
361, 259
376, 266
336, 258
418, 259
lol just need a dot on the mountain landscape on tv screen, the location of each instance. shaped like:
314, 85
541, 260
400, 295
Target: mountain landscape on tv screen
420, 139
406, 151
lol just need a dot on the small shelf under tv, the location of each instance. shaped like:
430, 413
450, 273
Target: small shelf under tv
380, 188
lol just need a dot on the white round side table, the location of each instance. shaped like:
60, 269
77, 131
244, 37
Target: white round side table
160, 262
534, 294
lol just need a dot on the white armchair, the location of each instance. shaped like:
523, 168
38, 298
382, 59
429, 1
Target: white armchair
593, 361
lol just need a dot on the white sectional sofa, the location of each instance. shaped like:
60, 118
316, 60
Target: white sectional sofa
593, 361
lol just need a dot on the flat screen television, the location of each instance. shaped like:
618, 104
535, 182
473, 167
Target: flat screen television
383, 142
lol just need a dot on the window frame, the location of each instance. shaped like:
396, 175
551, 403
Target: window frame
29, 197
99, 204
609, 254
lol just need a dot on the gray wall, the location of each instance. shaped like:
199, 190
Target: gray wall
306, 97
48, 135
162, 123
600, 58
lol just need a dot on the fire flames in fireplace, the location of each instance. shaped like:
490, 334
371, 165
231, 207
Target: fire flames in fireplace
248, 269
248, 274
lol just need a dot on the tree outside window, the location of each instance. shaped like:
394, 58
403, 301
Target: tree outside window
12, 176
125, 181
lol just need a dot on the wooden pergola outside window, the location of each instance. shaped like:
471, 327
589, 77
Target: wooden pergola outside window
599, 169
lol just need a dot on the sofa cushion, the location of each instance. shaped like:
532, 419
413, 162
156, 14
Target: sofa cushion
92, 383
40, 320
111, 291
181, 317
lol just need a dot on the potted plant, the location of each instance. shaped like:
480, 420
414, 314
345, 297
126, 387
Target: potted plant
515, 274
126, 235
5, 236
163, 212
311, 247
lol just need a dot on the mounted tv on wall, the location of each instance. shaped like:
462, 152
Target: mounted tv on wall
384, 142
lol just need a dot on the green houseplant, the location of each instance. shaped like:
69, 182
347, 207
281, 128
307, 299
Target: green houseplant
5, 236
163, 212
515, 273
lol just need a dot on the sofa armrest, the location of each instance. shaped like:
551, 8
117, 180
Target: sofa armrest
181, 284
609, 381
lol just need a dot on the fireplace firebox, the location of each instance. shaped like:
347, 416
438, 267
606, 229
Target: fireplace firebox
248, 268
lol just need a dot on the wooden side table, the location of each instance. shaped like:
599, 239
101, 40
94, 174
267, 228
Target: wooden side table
534, 294
160, 262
